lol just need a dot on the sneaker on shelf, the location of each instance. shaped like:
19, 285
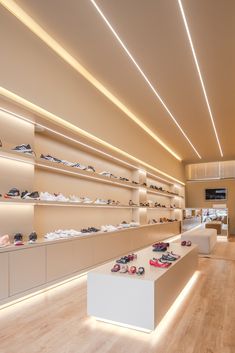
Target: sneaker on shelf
131, 203
13, 194
61, 198
79, 166
124, 224
73, 198
93, 229
46, 196
30, 195
90, 168
66, 163
32, 238
86, 200
134, 224
4, 241
50, 158
107, 174
23, 149
18, 239
101, 202
108, 228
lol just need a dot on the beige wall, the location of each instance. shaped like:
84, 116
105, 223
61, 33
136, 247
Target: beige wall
30, 69
195, 197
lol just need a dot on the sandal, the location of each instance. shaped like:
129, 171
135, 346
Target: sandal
140, 271
124, 269
115, 268
132, 270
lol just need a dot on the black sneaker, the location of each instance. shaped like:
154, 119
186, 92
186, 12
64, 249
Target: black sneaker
50, 158
18, 239
24, 193
13, 193
23, 148
33, 237
30, 195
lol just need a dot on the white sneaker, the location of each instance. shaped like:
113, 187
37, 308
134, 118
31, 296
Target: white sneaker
134, 224
61, 198
46, 196
67, 163
73, 198
86, 200
100, 202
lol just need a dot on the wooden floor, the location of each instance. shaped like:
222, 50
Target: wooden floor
56, 321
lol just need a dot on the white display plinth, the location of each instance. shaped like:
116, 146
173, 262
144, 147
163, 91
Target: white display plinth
139, 301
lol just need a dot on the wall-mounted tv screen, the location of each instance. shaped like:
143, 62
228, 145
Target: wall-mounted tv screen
216, 194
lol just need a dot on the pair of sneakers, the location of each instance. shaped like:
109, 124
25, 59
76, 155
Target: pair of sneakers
18, 238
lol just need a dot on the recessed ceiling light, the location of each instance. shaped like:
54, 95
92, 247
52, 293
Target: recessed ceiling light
143, 74
29, 22
199, 74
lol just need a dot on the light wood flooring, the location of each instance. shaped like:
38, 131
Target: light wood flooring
56, 321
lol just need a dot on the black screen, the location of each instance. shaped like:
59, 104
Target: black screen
216, 194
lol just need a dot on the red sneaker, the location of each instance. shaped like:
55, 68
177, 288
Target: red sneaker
156, 263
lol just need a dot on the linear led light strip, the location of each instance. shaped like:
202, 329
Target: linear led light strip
143, 75
199, 74
28, 21
54, 118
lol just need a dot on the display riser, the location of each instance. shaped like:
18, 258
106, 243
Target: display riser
29, 269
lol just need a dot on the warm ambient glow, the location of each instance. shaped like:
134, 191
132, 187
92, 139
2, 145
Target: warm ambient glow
28, 21
143, 74
39, 295
163, 326
199, 74
71, 127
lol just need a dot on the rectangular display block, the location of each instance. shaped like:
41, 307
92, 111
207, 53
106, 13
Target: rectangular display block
139, 301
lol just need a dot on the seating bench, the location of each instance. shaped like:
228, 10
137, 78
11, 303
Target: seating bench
204, 238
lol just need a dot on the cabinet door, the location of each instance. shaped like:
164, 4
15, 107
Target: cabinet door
4, 276
68, 257
27, 269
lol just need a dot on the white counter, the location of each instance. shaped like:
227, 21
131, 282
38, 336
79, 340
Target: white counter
139, 301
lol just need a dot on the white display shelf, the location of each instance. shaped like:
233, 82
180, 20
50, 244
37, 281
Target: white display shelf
61, 203
16, 156
58, 168
107, 292
43, 241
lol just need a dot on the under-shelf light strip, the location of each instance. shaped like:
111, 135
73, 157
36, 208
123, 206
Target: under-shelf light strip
200, 75
143, 75
72, 127
33, 26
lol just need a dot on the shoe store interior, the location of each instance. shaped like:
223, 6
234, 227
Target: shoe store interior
117, 187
